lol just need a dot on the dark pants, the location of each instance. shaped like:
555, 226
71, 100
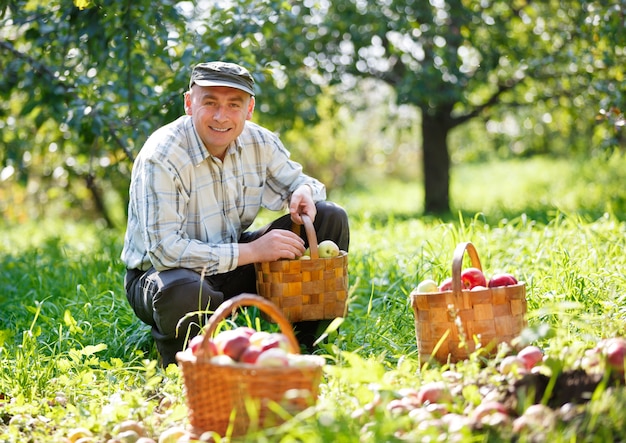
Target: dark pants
175, 302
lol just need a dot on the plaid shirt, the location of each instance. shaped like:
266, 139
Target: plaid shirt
188, 209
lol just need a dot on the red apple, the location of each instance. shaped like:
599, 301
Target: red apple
434, 392
531, 355
478, 288
446, 285
250, 354
273, 357
503, 279
195, 343
471, 277
615, 351
486, 408
232, 342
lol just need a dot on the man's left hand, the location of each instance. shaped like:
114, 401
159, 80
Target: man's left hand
302, 203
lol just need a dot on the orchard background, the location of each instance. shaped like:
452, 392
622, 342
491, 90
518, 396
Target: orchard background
431, 123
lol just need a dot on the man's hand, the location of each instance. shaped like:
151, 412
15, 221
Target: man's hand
302, 203
271, 246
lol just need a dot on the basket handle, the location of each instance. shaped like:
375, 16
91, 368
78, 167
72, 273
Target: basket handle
246, 299
457, 264
310, 234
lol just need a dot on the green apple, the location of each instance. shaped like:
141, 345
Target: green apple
327, 249
428, 285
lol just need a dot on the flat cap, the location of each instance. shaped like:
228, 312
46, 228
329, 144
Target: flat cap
222, 74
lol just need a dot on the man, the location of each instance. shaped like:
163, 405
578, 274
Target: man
197, 185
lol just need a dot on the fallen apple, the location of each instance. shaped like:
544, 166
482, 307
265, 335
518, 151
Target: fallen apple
531, 355
172, 435
512, 364
487, 408
615, 351
434, 392
471, 277
427, 285
502, 279
327, 249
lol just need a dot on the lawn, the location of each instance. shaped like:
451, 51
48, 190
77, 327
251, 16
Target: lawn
75, 363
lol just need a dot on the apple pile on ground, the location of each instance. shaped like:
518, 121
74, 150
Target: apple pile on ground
245, 345
472, 279
508, 394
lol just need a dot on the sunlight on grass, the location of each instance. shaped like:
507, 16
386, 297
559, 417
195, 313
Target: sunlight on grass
72, 351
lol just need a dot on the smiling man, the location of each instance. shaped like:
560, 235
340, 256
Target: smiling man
197, 185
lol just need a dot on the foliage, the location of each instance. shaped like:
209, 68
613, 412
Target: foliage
73, 356
85, 84
459, 60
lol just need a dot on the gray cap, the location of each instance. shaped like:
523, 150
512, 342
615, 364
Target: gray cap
222, 74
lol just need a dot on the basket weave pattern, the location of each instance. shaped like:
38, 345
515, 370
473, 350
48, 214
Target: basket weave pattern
455, 319
314, 289
240, 397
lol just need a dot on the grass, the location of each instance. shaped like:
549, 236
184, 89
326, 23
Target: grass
72, 355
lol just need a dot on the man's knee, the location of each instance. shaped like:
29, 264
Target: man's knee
182, 292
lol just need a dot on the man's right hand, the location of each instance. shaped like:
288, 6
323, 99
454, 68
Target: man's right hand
271, 246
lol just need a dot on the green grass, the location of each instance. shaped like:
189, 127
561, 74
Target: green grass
73, 355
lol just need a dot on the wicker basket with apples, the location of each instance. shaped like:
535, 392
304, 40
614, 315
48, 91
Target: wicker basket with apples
467, 311
233, 379
314, 287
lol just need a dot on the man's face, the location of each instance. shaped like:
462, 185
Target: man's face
219, 114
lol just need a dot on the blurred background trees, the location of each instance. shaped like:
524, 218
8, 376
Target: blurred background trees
360, 91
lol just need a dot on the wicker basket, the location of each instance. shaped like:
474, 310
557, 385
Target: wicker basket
314, 289
448, 323
233, 399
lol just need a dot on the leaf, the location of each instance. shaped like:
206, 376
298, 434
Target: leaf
71, 322
92, 349
82, 4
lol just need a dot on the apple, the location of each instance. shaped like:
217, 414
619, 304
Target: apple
502, 279
258, 337
172, 435
268, 340
512, 364
273, 357
531, 355
195, 343
250, 354
428, 285
233, 342
327, 249
487, 408
478, 288
433, 392
446, 285
615, 352
471, 277
222, 359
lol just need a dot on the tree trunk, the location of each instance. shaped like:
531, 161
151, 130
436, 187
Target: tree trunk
436, 161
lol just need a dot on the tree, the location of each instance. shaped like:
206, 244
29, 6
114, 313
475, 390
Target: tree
459, 59
83, 85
